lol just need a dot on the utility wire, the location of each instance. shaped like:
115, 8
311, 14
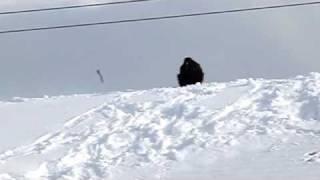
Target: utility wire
73, 7
158, 18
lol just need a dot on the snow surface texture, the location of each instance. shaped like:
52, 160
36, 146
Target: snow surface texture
247, 129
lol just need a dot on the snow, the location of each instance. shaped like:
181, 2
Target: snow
46, 114
245, 129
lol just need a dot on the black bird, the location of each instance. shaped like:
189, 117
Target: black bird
190, 72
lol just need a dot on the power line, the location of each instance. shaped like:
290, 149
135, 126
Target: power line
158, 18
72, 7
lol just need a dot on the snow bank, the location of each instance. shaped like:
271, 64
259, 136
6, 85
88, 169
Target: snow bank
256, 129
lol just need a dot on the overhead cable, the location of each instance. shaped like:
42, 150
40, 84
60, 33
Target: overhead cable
158, 18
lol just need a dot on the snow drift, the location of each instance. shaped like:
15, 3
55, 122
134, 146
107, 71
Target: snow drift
247, 129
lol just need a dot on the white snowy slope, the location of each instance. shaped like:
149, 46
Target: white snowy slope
23, 119
247, 129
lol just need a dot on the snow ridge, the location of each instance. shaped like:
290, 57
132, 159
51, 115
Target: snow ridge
164, 126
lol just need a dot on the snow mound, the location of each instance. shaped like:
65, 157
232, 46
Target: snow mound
164, 127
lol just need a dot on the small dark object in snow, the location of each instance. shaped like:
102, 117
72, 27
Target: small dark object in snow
312, 153
100, 76
190, 72
312, 156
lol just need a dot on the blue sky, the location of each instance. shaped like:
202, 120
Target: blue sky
268, 44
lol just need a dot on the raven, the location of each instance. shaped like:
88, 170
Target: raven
190, 72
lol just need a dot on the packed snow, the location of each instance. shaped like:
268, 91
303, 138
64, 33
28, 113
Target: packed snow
247, 129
